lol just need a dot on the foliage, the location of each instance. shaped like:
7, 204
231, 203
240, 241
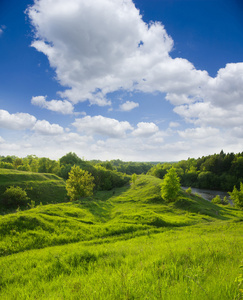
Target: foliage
45, 188
217, 172
159, 170
170, 186
134, 178
189, 191
14, 197
217, 200
6, 165
237, 196
79, 184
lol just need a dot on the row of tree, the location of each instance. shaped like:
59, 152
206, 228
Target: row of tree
217, 172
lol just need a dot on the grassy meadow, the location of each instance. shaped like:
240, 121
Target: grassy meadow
120, 244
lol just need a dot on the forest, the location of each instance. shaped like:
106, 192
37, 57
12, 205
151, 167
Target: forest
217, 172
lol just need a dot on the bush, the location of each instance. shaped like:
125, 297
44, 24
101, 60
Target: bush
189, 191
170, 186
237, 196
217, 200
6, 165
79, 184
14, 197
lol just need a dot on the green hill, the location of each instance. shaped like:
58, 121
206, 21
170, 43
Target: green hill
41, 188
122, 244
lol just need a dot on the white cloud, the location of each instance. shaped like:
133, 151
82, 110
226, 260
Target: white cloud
199, 133
18, 121
145, 129
128, 105
174, 124
45, 128
1, 140
95, 48
64, 107
102, 126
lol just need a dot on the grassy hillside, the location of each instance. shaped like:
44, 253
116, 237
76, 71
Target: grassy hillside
45, 188
123, 244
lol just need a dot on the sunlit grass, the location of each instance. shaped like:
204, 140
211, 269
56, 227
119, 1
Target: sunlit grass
122, 244
198, 262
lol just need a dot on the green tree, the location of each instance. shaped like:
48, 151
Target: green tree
134, 178
14, 196
170, 186
237, 196
79, 184
217, 200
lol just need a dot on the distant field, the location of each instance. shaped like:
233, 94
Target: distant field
121, 244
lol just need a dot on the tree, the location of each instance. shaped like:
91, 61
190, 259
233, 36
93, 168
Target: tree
134, 178
14, 196
79, 184
237, 196
170, 186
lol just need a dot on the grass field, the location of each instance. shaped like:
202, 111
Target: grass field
123, 244
41, 188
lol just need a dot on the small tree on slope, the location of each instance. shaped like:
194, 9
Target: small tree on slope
79, 184
170, 186
237, 196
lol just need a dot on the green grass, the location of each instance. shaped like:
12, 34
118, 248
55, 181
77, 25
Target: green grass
122, 244
41, 188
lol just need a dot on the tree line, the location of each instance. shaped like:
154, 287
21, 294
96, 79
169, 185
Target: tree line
217, 172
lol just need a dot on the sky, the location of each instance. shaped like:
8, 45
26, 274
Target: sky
136, 80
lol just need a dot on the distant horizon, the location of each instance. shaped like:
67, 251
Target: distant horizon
131, 80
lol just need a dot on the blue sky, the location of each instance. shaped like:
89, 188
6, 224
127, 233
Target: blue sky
135, 80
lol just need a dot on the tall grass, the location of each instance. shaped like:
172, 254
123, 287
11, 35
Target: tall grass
123, 244
198, 262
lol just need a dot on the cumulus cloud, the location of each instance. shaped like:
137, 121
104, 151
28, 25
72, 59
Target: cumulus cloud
63, 107
100, 47
45, 128
18, 121
102, 126
145, 129
128, 105
199, 133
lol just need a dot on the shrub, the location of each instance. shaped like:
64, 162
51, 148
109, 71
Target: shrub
237, 196
217, 200
170, 186
14, 197
189, 191
79, 184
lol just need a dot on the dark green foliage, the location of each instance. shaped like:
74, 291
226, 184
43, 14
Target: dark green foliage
159, 170
106, 179
130, 168
14, 197
70, 159
45, 188
217, 172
